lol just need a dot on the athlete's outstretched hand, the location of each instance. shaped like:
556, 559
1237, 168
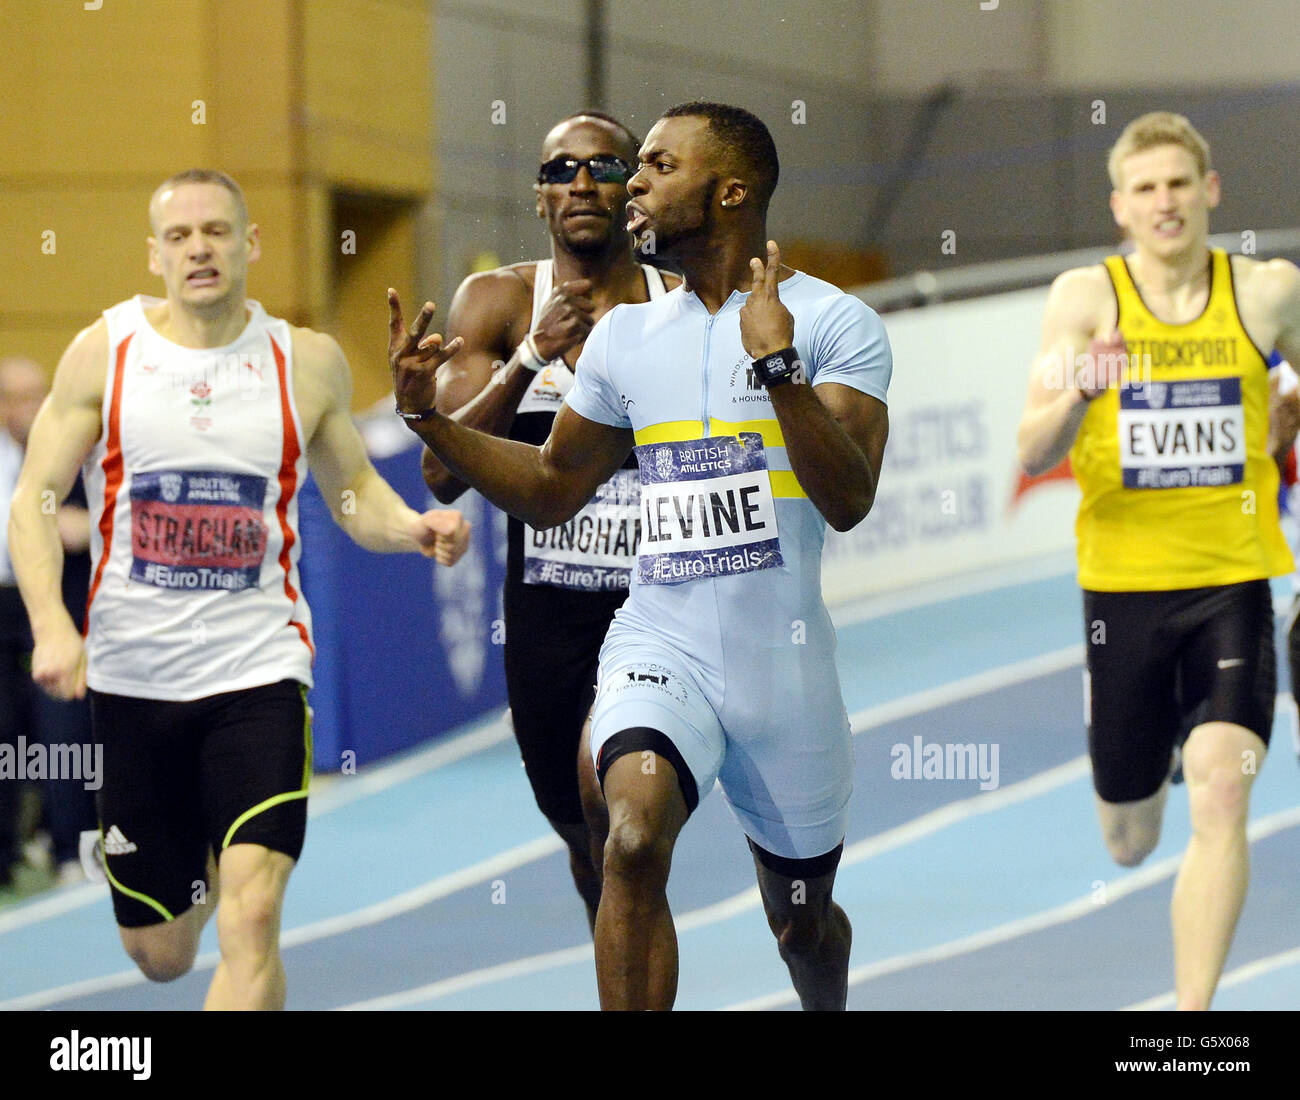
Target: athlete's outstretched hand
1105, 366
414, 358
566, 319
59, 663
443, 534
765, 324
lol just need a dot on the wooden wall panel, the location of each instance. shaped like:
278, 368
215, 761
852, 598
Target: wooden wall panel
368, 93
253, 119
301, 99
107, 91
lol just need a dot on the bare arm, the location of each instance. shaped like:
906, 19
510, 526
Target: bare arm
1278, 283
65, 430
835, 439
1056, 404
1283, 419
74, 528
835, 436
367, 508
542, 486
482, 384
472, 386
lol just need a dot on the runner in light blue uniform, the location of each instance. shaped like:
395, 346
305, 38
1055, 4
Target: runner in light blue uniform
724, 643
721, 664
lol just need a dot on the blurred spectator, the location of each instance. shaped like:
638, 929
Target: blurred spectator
68, 807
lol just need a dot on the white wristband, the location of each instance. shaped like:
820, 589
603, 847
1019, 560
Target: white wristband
528, 357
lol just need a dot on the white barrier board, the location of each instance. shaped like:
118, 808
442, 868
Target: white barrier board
948, 501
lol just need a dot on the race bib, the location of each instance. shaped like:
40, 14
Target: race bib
595, 550
197, 529
706, 509
1176, 435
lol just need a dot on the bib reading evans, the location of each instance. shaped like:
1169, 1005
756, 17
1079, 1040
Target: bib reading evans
1179, 490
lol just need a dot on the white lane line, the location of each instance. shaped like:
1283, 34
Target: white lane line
372, 914
1241, 974
337, 792
380, 777
502, 972
387, 775
946, 589
493, 730
1061, 914
65, 901
870, 718
981, 683
749, 899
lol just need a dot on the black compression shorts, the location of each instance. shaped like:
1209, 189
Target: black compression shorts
1161, 663
553, 639
183, 779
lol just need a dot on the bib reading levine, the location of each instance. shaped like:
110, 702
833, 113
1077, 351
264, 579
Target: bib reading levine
193, 490
1179, 490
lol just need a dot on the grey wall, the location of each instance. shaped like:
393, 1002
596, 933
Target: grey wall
1015, 166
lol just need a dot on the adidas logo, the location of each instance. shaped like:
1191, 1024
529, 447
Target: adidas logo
115, 844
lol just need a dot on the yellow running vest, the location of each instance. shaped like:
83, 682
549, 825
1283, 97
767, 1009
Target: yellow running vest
1179, 490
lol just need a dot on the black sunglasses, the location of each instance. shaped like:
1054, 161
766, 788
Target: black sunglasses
603, 169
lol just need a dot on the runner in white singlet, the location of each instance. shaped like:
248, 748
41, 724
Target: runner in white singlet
197, 417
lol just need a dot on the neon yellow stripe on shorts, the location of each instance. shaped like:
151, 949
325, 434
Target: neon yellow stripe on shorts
133, 893
288, 796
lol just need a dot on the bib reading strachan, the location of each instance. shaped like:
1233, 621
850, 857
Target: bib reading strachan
197, 529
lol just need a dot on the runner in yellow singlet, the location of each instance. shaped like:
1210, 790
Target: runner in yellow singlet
1153, 377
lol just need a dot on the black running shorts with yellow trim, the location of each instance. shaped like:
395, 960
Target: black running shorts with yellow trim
1162, 663
183, 779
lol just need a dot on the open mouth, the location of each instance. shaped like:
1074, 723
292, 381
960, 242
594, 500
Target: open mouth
637, 219
204, 276
1169, 227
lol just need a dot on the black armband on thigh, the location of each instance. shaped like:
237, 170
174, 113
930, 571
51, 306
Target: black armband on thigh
640, 739
813, 867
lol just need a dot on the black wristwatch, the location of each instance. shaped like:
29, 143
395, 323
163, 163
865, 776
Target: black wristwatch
428, 414
779, 366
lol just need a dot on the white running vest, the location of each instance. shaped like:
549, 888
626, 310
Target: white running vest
596, 549
193, 492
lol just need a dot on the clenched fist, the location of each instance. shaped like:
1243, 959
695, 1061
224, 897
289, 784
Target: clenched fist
566, 319
443, 534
